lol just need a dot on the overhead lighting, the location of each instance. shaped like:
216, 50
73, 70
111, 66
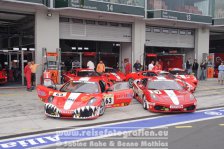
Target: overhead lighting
24, 49
31, 49
79, 48
86, 48
73, 48
15, 49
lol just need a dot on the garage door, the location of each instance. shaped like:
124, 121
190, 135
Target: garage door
80, 29
169, 37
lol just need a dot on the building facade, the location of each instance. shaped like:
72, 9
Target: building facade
110, 30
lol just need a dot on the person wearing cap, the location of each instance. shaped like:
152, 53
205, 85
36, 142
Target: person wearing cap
221, 73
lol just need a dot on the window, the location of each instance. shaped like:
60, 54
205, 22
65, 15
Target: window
174, 31
156, 30
125, 25
62, 19
114, 24
102, 23
165, 30
77, 21
90, 22
182, 32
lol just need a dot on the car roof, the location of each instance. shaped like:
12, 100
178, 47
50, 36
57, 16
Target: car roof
160, 78
87, 79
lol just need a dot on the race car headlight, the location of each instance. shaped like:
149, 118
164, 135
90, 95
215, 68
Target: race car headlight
91, 101
153, 96
50, 99
192, 97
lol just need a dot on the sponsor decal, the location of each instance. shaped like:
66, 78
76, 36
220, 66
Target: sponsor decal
71, 99
41, 93
172, 96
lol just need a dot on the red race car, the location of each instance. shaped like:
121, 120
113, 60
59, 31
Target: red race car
182, 74
163, 95
83, 99
139, 75
114, 75
80, 72
3, 76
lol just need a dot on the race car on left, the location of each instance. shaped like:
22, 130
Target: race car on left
3, 75
82, 99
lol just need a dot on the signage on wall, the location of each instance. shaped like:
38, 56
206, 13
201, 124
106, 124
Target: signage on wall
173, 15
101, 6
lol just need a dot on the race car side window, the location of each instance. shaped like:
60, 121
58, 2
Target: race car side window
102, 86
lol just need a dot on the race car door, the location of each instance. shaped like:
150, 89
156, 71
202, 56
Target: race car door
118, 95
45, 90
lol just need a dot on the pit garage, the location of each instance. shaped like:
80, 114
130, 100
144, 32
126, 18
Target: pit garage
16, 44
160, 43
82, 40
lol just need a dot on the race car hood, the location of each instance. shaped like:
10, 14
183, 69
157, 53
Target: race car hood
172, 97
189, 78
73, 101
116, 76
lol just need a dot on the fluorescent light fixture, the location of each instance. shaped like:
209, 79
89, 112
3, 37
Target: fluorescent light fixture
31, 49
5, 50
73, 48
25, 61
86, 48
79, 48
16, 49
6, 63
24, 49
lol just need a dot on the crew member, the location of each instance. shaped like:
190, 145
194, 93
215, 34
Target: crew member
27, 72
100, 67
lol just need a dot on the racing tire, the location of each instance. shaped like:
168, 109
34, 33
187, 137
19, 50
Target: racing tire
130, 82
144, 103
102, 108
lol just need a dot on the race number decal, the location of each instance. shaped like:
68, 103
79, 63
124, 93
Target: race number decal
109, 99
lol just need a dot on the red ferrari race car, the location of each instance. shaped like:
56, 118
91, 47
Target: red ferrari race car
163, 95
139, 75
182, 74
83, 99
188, 85
114, 75
80, 72
3, 76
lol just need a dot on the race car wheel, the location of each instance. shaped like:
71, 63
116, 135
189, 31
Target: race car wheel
102, 108
144, 103
130, 82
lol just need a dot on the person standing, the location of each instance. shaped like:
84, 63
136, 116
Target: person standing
195, 68
27, 72
188, 65
151, 65
33, 68
221, 73
157, 66
137, 66
90, 65
127, 66
100, 67
161, 64
203, 66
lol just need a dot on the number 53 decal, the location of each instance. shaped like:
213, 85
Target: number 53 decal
109, 99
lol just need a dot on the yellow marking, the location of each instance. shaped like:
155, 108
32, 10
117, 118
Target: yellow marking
183, 126
221, 124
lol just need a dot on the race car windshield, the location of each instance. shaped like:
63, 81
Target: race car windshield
164, 85
88, 74
80, 87
110, 70
175, 72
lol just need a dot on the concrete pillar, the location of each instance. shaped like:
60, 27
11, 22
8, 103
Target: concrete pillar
138, 40
125, 52
46, 36
201, 43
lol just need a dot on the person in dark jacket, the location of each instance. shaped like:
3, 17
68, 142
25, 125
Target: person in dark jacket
195, 68
203, 66
137, 66
188, 65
